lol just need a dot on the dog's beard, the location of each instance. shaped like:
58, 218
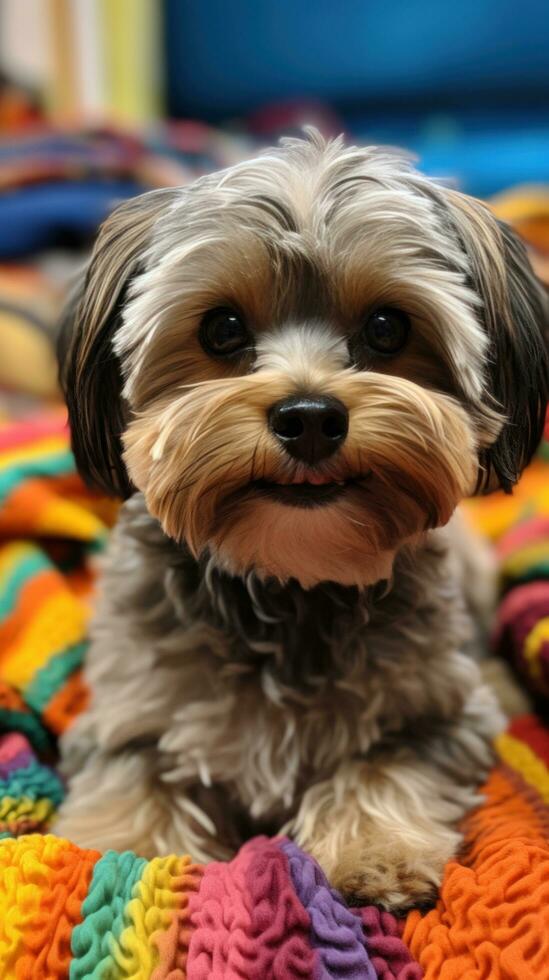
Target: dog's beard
210, 471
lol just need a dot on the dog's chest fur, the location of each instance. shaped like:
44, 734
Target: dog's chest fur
261, 688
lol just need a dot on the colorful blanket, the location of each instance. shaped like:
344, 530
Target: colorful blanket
67, 912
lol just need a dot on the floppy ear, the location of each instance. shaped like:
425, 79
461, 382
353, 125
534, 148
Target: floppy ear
515, 310
90, 373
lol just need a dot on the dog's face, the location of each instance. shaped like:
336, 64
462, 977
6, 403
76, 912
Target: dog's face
306, 361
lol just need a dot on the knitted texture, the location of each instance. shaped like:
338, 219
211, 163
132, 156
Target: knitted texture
68, 912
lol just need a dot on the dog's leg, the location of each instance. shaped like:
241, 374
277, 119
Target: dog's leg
383, 830
119, 801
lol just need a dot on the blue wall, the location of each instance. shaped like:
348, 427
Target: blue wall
229, 56
465, 84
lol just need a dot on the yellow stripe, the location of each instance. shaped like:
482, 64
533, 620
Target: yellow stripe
532, 647
523, 760
25, 866
526, 557
74, 521
495, 519
133, 53
152, 908
46, 447
11, 555
58, 622
12, 809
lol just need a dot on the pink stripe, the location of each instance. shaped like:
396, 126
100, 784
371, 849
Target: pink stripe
529, 532
11, 745
33, 430
524, 597
221, 920
247, 920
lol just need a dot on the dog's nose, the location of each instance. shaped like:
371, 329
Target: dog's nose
309, 428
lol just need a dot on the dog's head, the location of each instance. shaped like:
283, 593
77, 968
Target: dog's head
307, 360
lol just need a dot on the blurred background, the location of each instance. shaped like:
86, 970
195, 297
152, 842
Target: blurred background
102, 99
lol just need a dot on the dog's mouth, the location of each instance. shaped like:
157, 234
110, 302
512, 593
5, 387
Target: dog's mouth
306, 493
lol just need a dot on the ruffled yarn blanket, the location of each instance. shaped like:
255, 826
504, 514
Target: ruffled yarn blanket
68, 912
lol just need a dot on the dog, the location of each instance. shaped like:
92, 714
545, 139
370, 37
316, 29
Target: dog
293, 371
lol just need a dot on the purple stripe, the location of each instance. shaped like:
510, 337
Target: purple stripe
336, 933
21, 760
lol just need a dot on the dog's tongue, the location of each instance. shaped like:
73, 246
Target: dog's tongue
316, 479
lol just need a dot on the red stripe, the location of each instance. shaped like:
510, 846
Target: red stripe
33, 430
524, 598
529, 730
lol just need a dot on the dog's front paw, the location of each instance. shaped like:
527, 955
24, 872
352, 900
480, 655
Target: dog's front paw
394, 882
393, 874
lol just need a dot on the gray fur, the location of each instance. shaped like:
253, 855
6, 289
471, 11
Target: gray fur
255, 693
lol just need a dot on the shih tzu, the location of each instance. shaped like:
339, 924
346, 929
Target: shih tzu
293, 371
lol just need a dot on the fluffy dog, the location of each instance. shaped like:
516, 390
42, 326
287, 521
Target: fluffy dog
294, 371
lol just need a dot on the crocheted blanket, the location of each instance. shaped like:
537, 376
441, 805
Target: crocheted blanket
270, 912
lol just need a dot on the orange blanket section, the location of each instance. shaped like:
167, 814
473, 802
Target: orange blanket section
527, 209
491, 921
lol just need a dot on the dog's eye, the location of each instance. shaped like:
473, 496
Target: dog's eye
223, 332
386, 331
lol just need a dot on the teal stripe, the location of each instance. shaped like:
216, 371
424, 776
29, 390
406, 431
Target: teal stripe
52, 464
49, 679
38, 826
105, 916
28, 724
35, 782
98, 544
27, 566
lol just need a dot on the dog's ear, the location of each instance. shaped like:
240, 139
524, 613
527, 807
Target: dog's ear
89, 371
515, 310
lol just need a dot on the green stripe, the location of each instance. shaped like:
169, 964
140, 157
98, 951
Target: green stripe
49, 679
538, 570
27, 567
35, 782
105, 916
52, 464
29, 725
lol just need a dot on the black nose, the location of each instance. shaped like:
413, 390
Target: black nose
310, 429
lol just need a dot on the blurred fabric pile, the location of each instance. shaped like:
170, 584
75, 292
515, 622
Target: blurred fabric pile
56, 186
